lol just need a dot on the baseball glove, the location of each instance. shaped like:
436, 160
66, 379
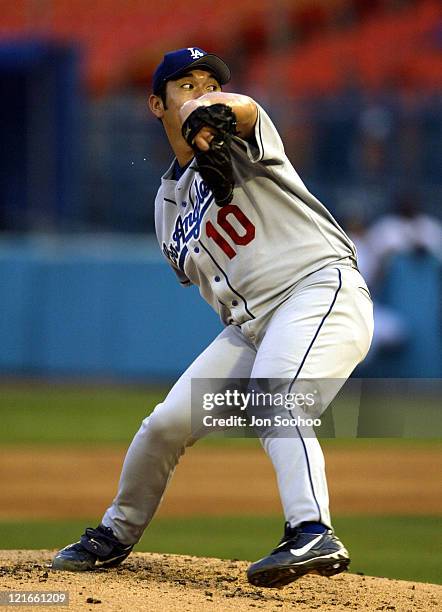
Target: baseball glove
214, 165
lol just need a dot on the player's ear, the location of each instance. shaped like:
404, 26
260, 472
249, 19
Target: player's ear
156, 106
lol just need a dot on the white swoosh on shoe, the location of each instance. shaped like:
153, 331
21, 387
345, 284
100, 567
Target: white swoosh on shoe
98, 562
297, 552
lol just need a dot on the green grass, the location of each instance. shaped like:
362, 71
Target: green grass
74, 415
65, 414
408, 548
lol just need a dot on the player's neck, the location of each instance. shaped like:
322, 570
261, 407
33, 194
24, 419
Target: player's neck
183, 153
183, 160
181, 149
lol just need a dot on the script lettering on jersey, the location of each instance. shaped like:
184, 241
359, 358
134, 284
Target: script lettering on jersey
189, 226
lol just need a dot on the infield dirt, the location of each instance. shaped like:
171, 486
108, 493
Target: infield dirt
50, 483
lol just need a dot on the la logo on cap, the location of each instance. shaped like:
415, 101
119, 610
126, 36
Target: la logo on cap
195, 53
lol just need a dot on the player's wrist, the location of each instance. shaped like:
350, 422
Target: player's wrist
188, 108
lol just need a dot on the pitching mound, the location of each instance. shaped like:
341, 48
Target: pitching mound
155, 582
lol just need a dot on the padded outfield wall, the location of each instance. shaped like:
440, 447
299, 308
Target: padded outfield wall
106, 306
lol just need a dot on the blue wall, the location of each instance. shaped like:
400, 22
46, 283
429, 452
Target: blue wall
413, 289
97, 307
111, 307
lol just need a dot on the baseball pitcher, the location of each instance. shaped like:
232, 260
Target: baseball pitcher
234, 218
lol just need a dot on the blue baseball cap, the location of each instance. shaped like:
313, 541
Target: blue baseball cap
181, 61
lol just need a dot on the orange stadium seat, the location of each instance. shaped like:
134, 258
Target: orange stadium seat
372, 52
115, 32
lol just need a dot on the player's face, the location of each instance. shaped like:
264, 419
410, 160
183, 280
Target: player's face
190, 86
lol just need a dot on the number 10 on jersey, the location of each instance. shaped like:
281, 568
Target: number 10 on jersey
222, 220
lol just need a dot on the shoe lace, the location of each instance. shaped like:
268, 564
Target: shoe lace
291, 534
99, 540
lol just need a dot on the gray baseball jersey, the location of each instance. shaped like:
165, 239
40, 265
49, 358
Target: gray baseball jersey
246, 257
274, 245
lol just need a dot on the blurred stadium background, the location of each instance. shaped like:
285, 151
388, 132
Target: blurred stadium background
354, 87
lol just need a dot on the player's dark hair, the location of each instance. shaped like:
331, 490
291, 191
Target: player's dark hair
163, 94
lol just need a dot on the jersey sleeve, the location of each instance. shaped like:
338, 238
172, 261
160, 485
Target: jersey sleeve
266, 145
182, 278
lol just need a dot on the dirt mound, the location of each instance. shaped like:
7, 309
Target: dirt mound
155, 582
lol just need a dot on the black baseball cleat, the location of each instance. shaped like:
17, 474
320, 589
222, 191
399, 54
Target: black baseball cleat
297, 554
96, 548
